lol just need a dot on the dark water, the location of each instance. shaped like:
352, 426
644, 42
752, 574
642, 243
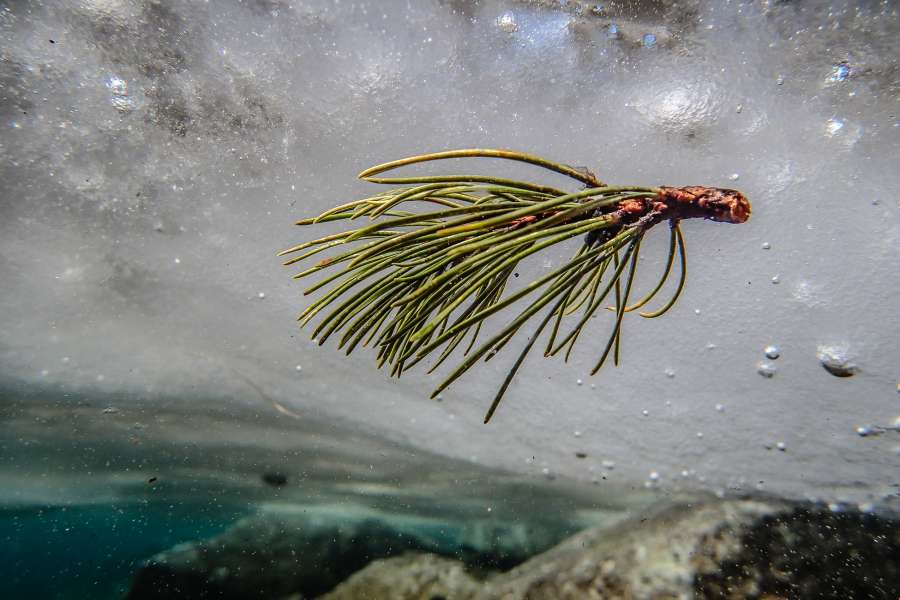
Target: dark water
84, 552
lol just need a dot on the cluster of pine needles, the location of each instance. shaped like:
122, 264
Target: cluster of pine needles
421, 284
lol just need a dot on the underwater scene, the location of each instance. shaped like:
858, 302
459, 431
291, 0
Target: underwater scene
449, 299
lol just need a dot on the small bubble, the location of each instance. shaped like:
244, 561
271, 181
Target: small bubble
649, 40
44, 372
298, 368
766, 245
579, 382
608, 464
100, 377
670, 372
65, 360
835, 507
841, 72
864, 431
507, 23
772, 352
781, 446
489, 509
734, 177
654, 476
593, 386
645, 412
261, 295
833, 126
767, 370
613, 30
776, 279
699, 434
177, 261
710, 346
779, 80
720, 407
685, 473
739, 108
576, 433
696, 311
866, 507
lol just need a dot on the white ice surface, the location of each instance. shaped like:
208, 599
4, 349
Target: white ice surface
154, 157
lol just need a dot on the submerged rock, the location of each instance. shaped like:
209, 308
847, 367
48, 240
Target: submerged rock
732, 549
410, 577
309, 550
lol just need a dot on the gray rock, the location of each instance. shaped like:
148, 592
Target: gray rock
732, 549
409, 577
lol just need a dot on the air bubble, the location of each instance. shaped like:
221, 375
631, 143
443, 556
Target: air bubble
776, 279
837, 360
649, 40
772, 352
261, 295
781, 446
766, 245
579, 382
507, 23
645, 412
670, 372
864, 431
833, 126
654, 476
734, 177
767, 370
720, 407
298, 368
841, 72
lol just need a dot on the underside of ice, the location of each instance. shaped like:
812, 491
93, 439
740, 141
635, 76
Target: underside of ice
154, 156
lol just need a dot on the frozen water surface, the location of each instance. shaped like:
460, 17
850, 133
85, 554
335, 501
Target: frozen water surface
154, 156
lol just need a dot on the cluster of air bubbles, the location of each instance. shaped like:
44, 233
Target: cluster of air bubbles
837, 360
840, 73
507, 22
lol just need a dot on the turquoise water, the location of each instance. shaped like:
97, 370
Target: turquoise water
82, 552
